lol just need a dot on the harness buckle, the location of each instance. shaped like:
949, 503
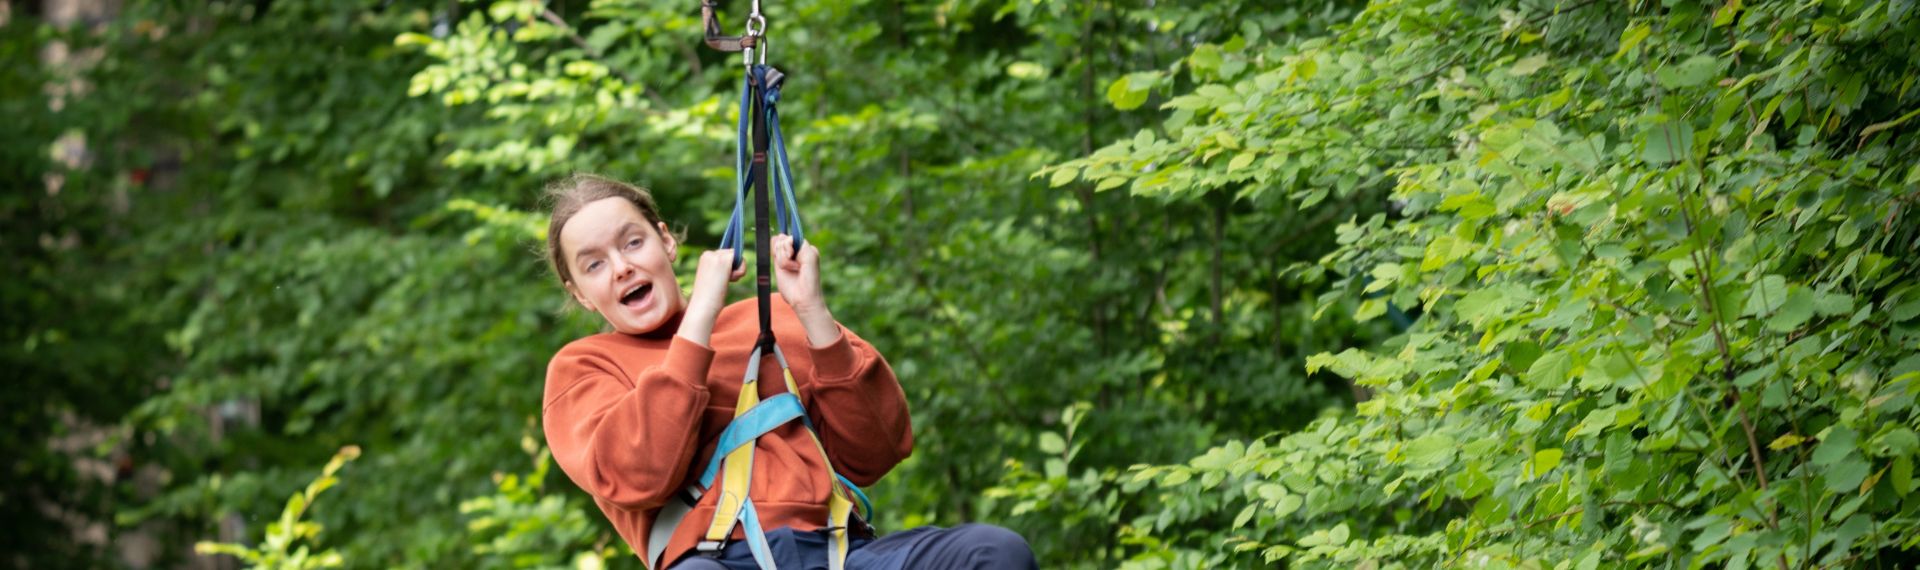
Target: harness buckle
711, 548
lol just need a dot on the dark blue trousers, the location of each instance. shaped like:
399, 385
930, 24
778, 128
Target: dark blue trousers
964, 547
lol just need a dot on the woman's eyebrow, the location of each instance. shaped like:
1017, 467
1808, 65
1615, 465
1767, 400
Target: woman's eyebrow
629, 227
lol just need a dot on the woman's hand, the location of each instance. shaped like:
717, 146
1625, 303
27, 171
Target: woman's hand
710, 278
799, 281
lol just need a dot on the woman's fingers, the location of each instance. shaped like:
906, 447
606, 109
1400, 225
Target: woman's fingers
783, 253
714, 264
809, 255
710, 278
713, 258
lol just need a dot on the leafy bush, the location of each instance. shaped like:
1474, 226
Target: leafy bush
282, 548
522, 525
1664, 256
1621, 283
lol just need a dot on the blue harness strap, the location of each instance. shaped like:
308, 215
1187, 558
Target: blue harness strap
786, 205
771, 413
732, 463
756, 536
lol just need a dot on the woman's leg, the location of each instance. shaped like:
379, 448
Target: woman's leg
699, 563
964, 547
791, 550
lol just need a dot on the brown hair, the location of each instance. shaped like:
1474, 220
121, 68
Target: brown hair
568, 195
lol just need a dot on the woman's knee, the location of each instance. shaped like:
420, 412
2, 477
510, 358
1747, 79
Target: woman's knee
998, 543
698, 563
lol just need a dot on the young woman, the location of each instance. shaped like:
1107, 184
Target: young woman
632, 415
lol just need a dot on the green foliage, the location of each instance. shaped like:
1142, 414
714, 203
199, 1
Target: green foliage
1611, 283
942, 253
523, 526
312, 279
1661, 251
72, 371
277, 551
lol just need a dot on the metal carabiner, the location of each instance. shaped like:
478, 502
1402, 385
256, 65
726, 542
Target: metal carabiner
757, 30
716, 38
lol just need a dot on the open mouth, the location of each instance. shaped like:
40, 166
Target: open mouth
637, 297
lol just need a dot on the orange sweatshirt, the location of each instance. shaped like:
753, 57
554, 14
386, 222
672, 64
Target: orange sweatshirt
632, 419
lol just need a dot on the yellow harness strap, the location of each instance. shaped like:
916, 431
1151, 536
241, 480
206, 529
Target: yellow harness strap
735, 507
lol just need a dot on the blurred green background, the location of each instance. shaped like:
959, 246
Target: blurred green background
1390, 284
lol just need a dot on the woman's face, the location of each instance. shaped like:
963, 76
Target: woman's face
622, 267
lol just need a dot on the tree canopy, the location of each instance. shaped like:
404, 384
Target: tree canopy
1388, 284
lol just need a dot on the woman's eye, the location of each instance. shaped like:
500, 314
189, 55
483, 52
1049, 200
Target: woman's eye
593, 265
633, 243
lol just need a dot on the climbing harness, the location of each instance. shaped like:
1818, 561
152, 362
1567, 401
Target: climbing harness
760, 149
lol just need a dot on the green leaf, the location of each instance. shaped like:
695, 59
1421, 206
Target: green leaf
1839, 443
1063, 177
1482, 304
1339, 534
1543, 461
1900, 475
1123, 96
1785, 441
1895, 442
1846, 476
1031, 70
1667, 143
412, 39
1369, 309
1766, 296
1632, 36
1695, 71
1520, 355
1240, 161
1905, 311
1471, 206
1793, 312
1726, 13
1529, 65
1832, 304
1052, 444
1205, 57
1246, 515
1615, 369
1429, 450
1550, 371
1288, 504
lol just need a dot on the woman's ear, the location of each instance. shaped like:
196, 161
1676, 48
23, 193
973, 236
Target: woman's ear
580, 298
666, 238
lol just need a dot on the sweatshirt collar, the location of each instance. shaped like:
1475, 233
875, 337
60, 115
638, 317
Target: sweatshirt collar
667, 329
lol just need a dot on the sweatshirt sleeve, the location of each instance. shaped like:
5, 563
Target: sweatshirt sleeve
626, 442
859, 409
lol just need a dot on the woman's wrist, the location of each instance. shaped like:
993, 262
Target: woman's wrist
822, 330
697, 324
